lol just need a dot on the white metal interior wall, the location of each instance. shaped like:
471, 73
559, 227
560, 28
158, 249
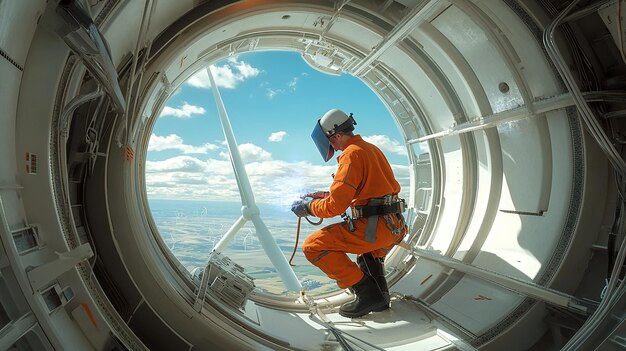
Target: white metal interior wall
523, 197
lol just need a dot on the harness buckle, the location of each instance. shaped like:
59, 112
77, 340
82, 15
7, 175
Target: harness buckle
349, 221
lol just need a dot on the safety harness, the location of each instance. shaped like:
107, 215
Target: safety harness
388, 206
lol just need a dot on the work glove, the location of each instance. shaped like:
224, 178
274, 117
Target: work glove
301, 208
317, 195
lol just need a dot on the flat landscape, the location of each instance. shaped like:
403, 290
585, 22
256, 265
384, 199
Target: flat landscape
190, 229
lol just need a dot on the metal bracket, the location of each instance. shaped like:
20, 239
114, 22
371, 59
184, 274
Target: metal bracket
40, 276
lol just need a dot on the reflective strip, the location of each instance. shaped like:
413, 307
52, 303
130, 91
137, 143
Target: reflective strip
324, 253
370, 229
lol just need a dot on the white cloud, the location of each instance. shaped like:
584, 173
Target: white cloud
273, 181
250, 153
244, 68
270, 93
184, 111
176, 164
386, 144
292, 84
277, 136
174, 142
227, 76
185, 177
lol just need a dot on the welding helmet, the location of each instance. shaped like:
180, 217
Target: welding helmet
333, 121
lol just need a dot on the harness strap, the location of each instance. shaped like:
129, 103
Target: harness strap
379, 210
370, 229
384, 206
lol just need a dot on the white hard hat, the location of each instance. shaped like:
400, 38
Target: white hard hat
333, 121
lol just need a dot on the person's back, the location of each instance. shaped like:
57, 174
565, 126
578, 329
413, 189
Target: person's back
378, 178
363, 173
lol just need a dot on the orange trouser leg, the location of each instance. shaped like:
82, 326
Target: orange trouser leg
327, 249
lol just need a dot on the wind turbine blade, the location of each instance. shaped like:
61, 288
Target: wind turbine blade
278, 259
230, 234
243, 183
249, 210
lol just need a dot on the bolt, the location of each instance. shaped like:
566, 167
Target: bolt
504, 88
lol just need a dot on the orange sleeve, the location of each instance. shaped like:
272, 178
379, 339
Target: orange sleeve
345, 185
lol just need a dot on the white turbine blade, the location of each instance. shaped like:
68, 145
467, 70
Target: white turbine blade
245, 190
249, 210
285, 272
230, 234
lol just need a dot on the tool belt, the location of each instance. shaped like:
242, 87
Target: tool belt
387, 207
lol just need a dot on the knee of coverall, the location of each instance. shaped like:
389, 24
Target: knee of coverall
311, 246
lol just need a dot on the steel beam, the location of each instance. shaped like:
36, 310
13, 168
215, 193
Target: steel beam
512, 115
523, 287
398, 33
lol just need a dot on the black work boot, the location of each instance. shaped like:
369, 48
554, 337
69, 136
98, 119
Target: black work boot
368, 299
375, 268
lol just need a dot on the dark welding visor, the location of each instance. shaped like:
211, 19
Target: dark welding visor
322, 142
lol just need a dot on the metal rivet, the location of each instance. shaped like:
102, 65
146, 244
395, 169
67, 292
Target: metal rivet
504, 88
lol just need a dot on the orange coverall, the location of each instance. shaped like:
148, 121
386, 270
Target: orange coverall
363, 173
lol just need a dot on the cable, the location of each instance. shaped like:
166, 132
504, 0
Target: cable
342, 341
614, 284
587, 115
611, 292
295, 247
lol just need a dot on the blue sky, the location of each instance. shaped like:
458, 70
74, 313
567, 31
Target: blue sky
273, 100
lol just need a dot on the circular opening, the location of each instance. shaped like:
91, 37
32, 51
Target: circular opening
273, 100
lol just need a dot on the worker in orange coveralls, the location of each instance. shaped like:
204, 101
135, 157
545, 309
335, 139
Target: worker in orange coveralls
364, 182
